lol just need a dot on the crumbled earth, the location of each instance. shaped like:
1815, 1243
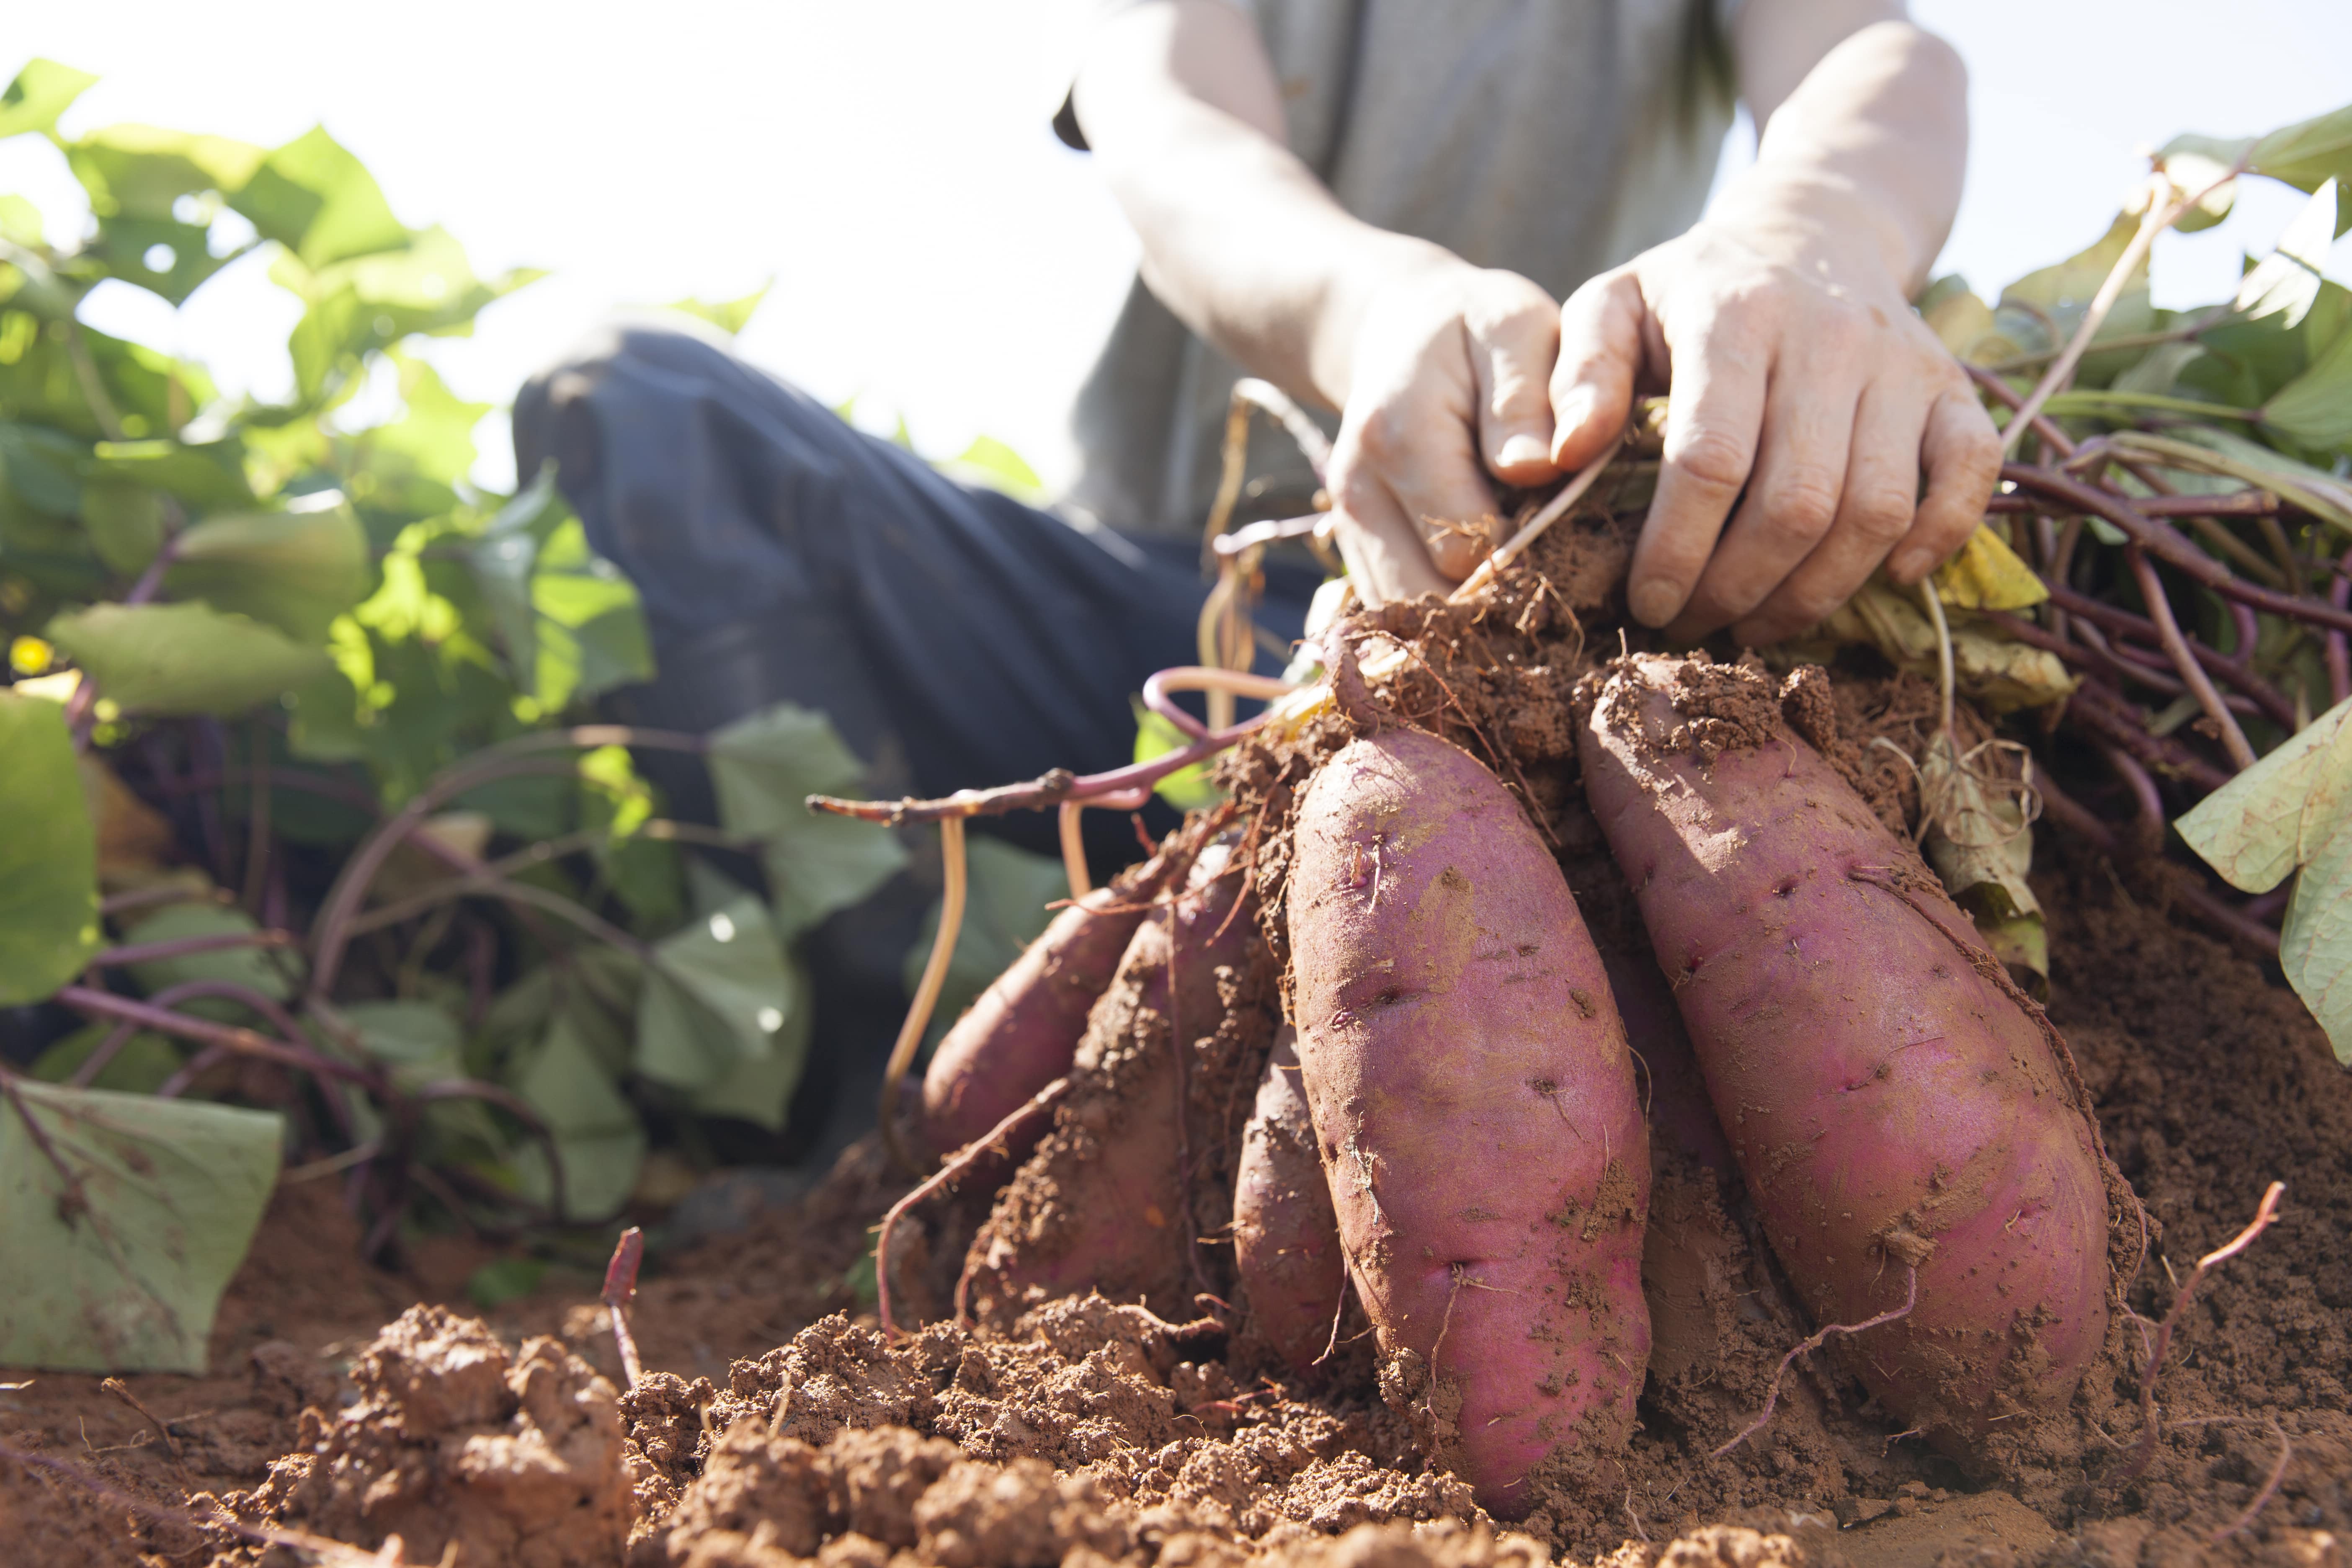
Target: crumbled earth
780, 1424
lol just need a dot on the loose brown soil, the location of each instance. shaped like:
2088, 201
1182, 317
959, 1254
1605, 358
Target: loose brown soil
779, 1425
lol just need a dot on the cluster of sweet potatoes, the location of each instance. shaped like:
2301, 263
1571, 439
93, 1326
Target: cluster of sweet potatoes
1451, 1123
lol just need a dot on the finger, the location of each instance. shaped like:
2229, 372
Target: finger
1712, 423
1600, 354
1513, 355
1792, 497
1962, 453
1416, 460
1876, 510
1383, 546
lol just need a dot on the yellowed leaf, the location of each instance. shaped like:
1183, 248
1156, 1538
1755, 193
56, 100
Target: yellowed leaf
1992, 670
1987, 574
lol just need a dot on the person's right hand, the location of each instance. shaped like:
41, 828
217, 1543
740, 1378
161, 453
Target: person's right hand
1448, 383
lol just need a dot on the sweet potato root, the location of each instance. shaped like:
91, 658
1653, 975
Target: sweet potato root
1024, 1031
1891, 1099
1285, 1238
1475, 1103
1103, 1201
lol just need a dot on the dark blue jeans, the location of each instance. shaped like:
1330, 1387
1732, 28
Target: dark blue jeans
957, 637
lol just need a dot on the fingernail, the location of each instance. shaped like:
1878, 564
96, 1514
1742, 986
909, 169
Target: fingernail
1522, 449
1910, 565
1654, 604
1576, 408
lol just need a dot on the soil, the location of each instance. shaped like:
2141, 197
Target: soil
778, 1424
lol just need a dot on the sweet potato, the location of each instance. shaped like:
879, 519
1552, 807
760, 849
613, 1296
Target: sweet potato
1892, 1100
1285, 1237
1025, 1029
1104, 1200
1474, 1099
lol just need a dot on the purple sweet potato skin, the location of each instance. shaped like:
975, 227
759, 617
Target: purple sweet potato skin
1101, 1203
1285, 1237
1889, 1102
1475, 1103
1022, 1032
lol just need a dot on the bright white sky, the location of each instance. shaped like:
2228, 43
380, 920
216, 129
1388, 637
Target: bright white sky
936, 252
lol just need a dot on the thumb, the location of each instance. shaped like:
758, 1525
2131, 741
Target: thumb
1512, 354
1599, 352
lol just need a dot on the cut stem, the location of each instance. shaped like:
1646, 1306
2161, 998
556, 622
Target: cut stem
1551, 512
620, 1289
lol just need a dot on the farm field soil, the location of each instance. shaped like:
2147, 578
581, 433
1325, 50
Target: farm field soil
1096, 1434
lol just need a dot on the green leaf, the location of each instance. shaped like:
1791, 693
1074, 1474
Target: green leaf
729, 315
2287, 280
296, 571
571, 622
2273, 817
43, 467
125, 523
141, 171
20, 222
319, 202
504, 1279
270, 974
2314, 409
182, 658
1007, 890
717, 992
123, 1268
421, 1046
39, 95
127, 245
436, 434
2315, 938
143, 1065
1188, 789
2307, 153
758, 1089
765, 767
48, 855
2062, 294
596, 1129
990, 462
2306, 156
204, 476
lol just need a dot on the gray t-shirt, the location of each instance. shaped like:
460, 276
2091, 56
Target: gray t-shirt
1554, 138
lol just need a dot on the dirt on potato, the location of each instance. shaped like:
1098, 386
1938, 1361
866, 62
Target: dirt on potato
779, 1423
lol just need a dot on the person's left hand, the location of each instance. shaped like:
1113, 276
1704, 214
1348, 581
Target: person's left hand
1804, 391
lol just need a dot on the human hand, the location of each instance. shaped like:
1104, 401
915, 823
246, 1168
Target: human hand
1804, 391
1447, 384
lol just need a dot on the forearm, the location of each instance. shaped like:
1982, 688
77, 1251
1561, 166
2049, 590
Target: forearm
1240, 239
1869, 148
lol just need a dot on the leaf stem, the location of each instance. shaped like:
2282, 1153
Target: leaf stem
926, 991
2162, 211
2169, 545
2159, 610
